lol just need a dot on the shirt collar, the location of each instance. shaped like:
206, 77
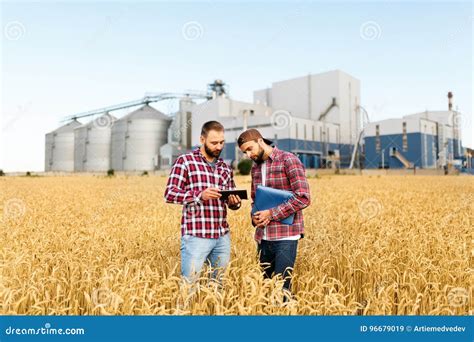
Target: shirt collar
198, 152
274, 153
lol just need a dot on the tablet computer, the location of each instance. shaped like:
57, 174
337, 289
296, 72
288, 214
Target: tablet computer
241, 193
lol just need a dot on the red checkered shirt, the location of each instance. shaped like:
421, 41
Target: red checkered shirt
286, 172
190, 175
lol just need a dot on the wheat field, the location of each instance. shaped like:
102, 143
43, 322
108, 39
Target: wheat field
374, 245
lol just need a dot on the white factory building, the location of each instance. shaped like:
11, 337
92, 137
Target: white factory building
317, 117
429, 140
314, 116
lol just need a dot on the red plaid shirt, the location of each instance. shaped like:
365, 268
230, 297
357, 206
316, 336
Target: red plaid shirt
190, 176
286, 172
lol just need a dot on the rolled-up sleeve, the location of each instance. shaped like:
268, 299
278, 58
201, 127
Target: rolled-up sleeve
177, 189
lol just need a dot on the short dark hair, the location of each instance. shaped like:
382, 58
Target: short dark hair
211, 126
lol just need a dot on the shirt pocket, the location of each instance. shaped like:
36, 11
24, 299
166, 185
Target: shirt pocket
276, 174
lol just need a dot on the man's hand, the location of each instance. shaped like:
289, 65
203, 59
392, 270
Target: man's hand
254, 222
262, 218
210, 193
234, 202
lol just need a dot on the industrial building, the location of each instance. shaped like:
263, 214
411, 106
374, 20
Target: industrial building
314, 116
326, 111
468, 160
131, 143
318, 117
429, 140
92, 144
59, 151
137, 138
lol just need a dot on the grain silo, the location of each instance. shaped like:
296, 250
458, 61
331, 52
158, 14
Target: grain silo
93, 144
137, 138
59, 148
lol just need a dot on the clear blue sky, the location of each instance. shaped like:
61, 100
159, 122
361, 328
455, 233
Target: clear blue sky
59, 58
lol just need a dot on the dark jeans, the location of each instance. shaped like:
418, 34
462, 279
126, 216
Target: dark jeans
279, 258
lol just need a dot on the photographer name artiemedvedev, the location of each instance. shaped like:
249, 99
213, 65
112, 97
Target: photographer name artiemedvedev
444, 328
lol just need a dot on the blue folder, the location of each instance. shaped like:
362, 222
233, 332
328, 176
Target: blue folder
267, 198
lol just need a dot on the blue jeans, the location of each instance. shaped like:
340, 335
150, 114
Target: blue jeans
278, 257
195, 251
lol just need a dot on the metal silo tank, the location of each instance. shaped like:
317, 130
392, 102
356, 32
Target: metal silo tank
93, 144
59, 148
137, 138
79, 146
117, 151
48, 152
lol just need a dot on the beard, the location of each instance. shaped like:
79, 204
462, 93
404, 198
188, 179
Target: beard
259, 160
210, 152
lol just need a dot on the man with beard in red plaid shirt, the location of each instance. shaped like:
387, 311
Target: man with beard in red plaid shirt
195, 181
277, 242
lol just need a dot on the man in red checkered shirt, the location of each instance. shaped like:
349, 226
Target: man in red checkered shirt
195, 181
277, 242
